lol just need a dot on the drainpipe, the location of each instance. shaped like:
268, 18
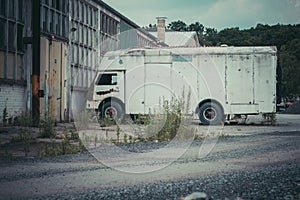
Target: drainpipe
35, 78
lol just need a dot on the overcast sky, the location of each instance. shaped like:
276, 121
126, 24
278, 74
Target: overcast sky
217, 14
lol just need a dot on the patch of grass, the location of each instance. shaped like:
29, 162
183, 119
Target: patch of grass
63, 148
270, 118
106, 122
47, 127
7, 155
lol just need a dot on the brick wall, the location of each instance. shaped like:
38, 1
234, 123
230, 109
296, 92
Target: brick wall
13, 98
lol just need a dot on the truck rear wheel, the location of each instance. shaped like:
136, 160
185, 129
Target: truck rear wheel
210, 114
111, 110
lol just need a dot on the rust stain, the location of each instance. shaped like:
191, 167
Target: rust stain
35, 84
106, 92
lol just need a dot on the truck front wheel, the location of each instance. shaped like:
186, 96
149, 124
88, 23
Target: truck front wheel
111, 110
210, 114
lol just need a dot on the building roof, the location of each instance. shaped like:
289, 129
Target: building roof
127, 20
173, 38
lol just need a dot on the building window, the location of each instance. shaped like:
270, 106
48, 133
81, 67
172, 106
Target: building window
95, 19
57, 24
65, 6
11, 36
81, 11
87, 35
65, 27
3, 7
90, 16
45, 19
51, 21
20, 10
11, 8
82, 35
20, 38
2, 34
56, 4
77, 10
75, 54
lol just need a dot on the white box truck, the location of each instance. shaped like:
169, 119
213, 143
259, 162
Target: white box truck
222, 81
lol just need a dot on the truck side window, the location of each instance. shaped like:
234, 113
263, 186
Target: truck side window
107, 79
182, 58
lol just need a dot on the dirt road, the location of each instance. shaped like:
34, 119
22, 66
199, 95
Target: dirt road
261, 164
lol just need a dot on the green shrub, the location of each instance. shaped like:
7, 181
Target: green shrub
47, 127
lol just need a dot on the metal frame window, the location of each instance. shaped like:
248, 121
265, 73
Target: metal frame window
3, 4
11, 40
11, 9
54, 17
2, 34
20, 10
84, 20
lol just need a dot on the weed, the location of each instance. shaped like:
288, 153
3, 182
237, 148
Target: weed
125, 139
8, 155
173, 112
24, 120
270, 118
96, 141
118, 132
26, 138
47, 127
130, 139
4, 115
63, 148
105, 122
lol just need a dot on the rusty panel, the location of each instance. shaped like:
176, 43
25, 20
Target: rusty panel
44, 63
10, 65
52, 78
56, 80
20, 68
62, 82
2, 63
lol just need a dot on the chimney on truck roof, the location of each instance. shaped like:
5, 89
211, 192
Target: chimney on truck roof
161, 28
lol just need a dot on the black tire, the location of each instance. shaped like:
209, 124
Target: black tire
210, 114
111, 110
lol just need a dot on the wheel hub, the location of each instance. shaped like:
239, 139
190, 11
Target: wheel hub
110, 113
210, 114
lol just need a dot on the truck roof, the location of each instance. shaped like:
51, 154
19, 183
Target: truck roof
194, 51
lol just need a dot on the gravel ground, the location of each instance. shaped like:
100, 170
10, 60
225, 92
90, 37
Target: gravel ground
258, 166
280, 181
293, 109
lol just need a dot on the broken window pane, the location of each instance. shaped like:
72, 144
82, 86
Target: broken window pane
107, 79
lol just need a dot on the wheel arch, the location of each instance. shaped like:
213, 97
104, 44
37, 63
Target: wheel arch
114, 99
209, 101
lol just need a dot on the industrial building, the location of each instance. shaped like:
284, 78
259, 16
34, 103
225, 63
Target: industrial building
50, 51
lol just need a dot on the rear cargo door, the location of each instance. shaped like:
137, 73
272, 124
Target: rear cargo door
240, 83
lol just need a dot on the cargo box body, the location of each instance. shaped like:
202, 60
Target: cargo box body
239, 80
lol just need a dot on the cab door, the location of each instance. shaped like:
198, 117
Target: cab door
110, 84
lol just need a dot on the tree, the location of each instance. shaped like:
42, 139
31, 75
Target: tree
177, 26
210, 37
285, 37
197, 27
289, 58
151, 28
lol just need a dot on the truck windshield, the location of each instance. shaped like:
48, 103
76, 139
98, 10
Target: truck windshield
107, 79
